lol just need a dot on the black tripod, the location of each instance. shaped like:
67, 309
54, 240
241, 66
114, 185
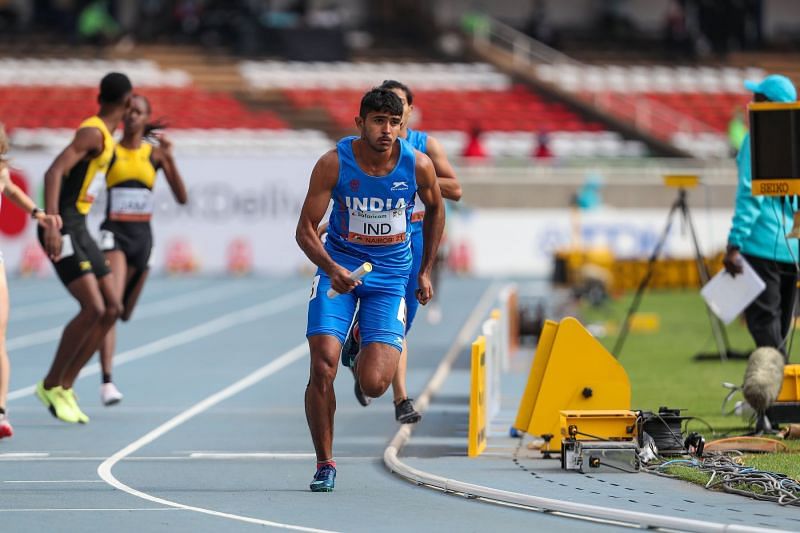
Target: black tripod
717, 328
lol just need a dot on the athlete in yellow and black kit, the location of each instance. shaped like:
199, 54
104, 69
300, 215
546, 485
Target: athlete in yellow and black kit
125, 235
70, 188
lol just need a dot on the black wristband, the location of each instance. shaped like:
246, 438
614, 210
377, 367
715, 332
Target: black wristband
35, 211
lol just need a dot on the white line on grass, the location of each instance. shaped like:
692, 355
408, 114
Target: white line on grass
227, 321
159, 308
104, 470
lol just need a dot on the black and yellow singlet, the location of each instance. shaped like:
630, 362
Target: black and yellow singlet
79, 188
130, 179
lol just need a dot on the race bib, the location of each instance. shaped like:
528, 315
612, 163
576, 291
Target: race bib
377, 227
106, 240
67, 249
128, 204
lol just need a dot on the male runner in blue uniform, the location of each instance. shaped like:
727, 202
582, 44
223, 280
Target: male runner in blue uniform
373, 181
451, 189
404, 410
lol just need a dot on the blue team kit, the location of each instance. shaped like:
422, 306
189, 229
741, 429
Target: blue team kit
370, 221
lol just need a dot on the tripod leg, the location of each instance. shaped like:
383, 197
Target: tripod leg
637, 298
717, 328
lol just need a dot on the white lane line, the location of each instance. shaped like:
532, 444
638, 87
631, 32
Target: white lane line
227, 321
161, 458
162, 307
104, 470
54, 307
23, 455
54, 481
40, 309
251, 455
83, 509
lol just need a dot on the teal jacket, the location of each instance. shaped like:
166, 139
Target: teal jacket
758, 227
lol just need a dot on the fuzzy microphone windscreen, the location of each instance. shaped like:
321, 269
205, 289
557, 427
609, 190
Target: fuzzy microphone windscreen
763, 378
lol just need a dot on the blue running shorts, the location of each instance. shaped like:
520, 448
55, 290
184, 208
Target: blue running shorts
412, 304
382, 311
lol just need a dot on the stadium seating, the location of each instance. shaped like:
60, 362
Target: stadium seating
236, 141
450, 100
43, 100
65, 107
86, 72
359, 76
699, 101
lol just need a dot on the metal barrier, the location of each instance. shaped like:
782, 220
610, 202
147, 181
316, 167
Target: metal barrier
658, 120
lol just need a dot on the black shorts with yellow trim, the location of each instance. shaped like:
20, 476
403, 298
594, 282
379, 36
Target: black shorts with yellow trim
134, 239
79, 253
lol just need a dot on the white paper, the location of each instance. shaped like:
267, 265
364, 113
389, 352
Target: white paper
727, 296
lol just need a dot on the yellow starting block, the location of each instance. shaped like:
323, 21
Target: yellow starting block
571, 370
787, 408
600, 424
790, 391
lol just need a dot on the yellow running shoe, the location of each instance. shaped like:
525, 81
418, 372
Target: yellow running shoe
70, 397
54, 400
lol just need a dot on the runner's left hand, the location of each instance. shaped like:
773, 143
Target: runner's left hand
424, 288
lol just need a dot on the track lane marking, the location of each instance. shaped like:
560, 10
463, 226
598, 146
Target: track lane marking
205, 329
104, 470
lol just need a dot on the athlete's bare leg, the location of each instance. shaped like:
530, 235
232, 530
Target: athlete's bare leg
376, 366
92, 341
320, 396
86, 290
399, 380
133, 288
5, 366
119, 272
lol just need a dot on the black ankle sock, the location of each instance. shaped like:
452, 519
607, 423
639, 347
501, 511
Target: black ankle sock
106, 377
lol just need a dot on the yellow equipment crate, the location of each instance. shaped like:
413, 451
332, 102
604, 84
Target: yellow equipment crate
790, 391
601, 424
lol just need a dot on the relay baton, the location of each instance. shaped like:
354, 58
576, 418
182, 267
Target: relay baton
362, 271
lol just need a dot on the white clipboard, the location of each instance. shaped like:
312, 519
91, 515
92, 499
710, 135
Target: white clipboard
727, 296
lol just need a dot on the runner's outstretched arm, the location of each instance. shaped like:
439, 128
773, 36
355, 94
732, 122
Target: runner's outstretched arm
23, 201
87, 141
167, 162
446, 175
432, 225
321, 185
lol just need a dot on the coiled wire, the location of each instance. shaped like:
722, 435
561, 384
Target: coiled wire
727, 473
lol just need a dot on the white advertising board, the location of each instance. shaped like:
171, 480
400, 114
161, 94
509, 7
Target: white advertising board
250, 199
522, 241
255, 201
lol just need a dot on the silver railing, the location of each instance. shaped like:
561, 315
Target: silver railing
658, 120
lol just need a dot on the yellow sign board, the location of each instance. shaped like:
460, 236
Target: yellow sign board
681, 181
476, 436
540, 358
